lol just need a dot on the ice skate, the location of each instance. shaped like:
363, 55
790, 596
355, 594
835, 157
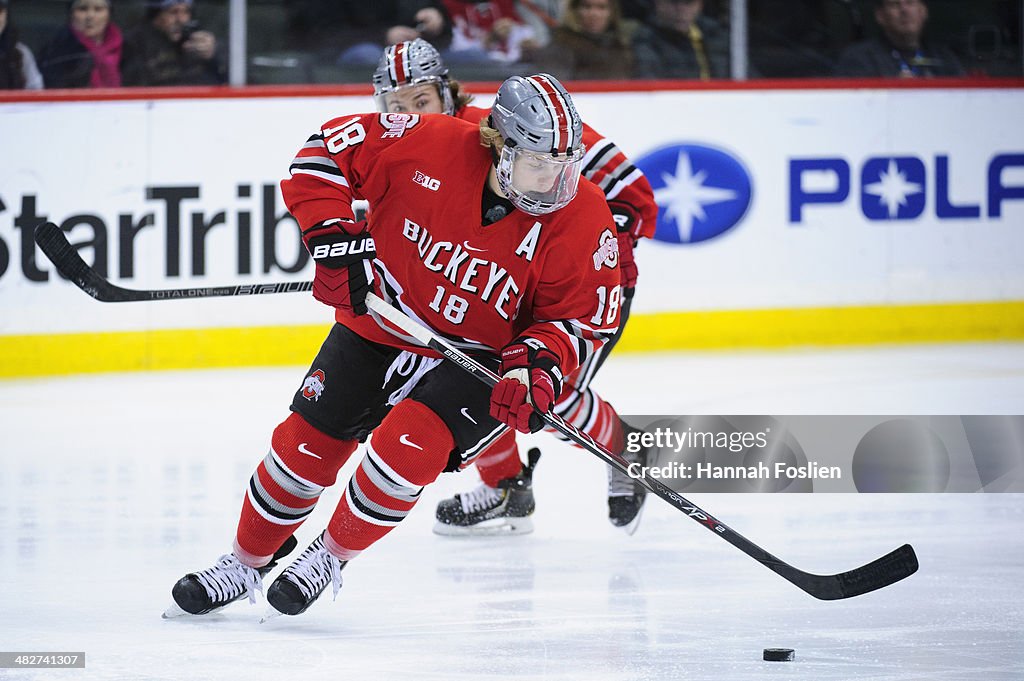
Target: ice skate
488, 511
626, 496
304, 580
212, 589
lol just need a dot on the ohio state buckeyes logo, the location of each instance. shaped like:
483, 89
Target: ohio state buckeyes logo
313, 386
607, 254
397, 124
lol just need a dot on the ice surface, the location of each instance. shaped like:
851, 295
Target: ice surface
112, 487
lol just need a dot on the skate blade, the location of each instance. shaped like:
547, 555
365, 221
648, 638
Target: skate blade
173, 612
271, 614
498, 527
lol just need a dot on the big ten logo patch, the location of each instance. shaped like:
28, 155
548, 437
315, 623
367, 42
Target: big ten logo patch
421, 178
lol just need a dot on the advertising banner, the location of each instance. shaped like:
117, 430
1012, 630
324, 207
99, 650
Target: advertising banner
828, 207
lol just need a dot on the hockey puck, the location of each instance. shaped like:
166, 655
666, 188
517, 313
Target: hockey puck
779, 654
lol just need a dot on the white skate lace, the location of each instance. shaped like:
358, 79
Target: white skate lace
226, 580
313, 569
481, 498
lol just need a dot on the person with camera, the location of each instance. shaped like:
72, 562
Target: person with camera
169, 48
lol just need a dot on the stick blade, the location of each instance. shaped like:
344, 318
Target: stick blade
879, 573
53, 242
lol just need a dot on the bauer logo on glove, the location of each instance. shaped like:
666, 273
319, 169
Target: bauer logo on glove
343, 248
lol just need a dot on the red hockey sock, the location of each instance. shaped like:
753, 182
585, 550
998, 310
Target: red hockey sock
500, 460
285, 487
595, 417
406, 452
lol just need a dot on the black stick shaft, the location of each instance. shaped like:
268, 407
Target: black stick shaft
54, 243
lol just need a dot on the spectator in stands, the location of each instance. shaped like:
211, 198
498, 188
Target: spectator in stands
87, 51
18, 69
169, 48
416, 19
680, 42
354, 32
489, 30
429, 23
592, 42
542, 16
900, 50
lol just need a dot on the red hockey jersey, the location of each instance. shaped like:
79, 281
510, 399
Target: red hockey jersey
625, 187
551, 277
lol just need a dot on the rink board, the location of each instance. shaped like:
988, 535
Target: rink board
852, 216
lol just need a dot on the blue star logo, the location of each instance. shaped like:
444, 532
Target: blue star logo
701, 191
893, 188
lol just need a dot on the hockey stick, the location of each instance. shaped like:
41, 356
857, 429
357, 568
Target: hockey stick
54, 243
884, 571
879, 573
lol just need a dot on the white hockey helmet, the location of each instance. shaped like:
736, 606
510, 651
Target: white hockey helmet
539, 165
408, 64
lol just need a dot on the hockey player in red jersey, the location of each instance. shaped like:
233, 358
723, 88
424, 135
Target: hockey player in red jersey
411, 77
533, 292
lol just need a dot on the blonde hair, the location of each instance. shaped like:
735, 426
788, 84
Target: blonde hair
489, 137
